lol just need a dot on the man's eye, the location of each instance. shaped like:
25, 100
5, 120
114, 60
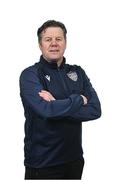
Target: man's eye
48, 40
58, 39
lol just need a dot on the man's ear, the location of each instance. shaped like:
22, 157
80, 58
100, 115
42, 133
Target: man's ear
65, 44
39, 44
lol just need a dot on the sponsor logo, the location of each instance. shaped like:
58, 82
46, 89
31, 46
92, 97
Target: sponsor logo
48, 77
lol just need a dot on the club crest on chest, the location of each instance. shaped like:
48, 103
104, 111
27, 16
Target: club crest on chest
72, 75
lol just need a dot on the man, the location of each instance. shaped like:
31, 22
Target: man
57, 98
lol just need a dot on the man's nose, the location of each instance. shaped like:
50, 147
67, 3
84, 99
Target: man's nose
54, 42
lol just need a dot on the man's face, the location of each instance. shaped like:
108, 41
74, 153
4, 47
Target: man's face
53, 44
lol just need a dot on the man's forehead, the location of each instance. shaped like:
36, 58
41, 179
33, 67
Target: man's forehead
53, 31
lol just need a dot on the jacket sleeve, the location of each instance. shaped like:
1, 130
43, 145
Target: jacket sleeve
29, 88
92, 110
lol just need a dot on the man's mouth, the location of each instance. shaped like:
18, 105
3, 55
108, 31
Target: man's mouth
54, 50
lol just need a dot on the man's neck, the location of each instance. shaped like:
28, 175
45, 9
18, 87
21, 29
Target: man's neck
58, 62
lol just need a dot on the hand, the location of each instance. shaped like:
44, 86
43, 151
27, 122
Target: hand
84, 99
47, 96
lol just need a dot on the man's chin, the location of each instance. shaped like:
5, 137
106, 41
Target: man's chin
54, 58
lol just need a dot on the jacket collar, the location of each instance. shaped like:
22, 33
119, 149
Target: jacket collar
52, 65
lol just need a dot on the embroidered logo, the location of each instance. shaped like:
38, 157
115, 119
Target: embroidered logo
72, 75
48, 77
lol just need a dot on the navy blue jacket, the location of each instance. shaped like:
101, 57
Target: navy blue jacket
53, 129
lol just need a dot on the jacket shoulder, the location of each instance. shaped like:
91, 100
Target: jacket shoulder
74, 68
29, 70
29, 73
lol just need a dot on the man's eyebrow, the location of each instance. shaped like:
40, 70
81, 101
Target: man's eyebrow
51, 37
47, 37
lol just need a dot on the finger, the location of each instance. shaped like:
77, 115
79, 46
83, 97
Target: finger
46, 95
44, 91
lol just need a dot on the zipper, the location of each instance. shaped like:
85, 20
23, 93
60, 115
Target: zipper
63, 82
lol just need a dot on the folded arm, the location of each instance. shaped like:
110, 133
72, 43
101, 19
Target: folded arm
80, 107
29, 91
90, 110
